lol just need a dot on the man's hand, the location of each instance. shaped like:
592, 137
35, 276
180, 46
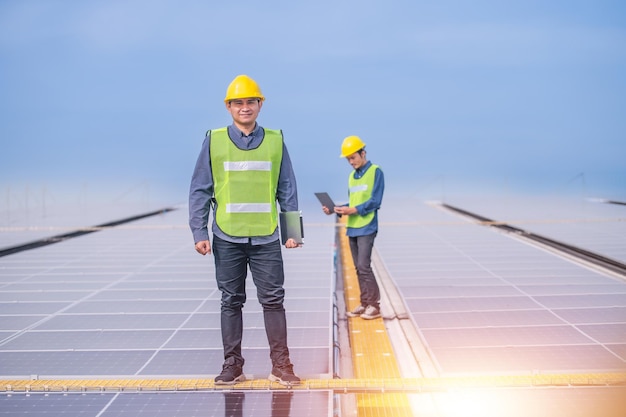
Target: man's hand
345, 210
326, 210
203, 247
290, 243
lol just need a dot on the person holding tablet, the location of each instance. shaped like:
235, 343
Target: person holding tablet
366, 185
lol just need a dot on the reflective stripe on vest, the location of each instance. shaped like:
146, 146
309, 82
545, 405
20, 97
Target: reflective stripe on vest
357, 188
360, 192
245, 184
248, 208
248, 166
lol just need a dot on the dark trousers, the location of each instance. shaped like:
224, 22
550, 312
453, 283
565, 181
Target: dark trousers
266, 266
361, 249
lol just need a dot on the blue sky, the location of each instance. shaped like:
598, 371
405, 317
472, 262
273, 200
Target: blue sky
110, 99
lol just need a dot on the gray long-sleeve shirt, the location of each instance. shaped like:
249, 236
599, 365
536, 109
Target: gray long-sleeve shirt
201, 188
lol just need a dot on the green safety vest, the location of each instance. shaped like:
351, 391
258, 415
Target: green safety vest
245, 184
361, 191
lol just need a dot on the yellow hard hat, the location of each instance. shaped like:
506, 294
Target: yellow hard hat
350, 145
243, 87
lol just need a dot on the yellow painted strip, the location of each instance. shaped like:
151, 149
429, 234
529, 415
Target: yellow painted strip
353, 385
372, 352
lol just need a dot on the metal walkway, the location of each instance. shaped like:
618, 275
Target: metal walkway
373, 385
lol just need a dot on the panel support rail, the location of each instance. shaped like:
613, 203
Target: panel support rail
592, 258
80, 232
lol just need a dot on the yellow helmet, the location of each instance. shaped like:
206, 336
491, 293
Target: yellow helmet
350, 145
243, 87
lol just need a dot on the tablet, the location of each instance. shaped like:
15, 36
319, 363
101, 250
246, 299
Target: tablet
291, 227
326, 201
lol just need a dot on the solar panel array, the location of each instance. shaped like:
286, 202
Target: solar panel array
137, 301
486, 302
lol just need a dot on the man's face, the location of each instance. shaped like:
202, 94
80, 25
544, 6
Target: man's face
357, 159
244, 110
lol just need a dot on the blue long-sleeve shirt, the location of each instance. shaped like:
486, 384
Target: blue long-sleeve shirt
201, 188
371, 205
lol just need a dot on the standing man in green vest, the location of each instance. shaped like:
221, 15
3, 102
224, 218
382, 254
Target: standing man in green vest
366, 185
241, 172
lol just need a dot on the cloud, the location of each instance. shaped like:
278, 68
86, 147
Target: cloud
118, 26
515, 44
308, 32
445, 80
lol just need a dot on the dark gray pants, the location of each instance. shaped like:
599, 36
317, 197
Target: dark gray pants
361, 249
266, 266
